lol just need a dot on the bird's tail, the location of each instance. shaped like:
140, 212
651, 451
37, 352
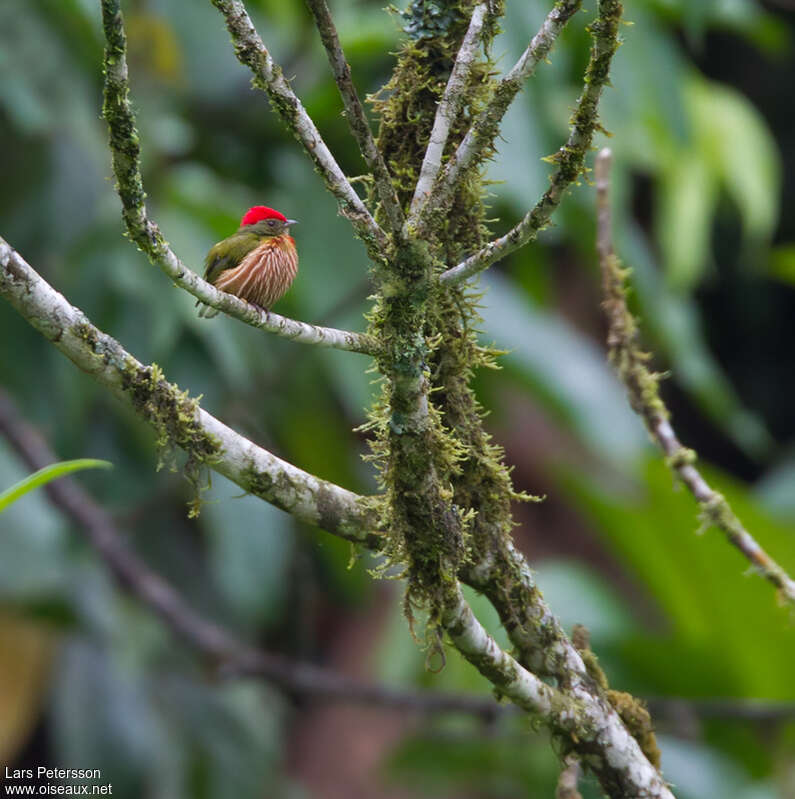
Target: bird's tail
206, 311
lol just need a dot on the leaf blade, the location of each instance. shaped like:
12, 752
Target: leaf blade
46, 475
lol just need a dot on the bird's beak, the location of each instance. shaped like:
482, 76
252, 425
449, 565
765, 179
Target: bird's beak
292, 221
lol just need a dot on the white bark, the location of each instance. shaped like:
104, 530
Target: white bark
448, 109
485, 127
252, 52
577, 713
305, 496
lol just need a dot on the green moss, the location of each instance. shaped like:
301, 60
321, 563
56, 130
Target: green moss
631, 710
638, 721
419, 462
174, 416
717, 512
624, 351
448, 490
682, 457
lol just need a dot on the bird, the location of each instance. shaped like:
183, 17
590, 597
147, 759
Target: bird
258, 263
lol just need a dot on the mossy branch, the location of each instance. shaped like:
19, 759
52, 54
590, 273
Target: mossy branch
570, 159
580, 719
584, 724
568, 780
268, 77
354, 113
631, 365
479, 139
177, 418
449, 108
446, 507
126, 155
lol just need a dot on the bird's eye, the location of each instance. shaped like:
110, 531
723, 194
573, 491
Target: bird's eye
272, 222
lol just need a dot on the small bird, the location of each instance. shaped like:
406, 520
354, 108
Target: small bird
258, 263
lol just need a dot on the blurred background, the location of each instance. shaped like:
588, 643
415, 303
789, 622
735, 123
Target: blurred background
704, 192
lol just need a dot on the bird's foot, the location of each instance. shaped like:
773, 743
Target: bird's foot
259, 307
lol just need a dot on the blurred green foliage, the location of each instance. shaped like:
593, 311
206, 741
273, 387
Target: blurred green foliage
695, 158
45, 475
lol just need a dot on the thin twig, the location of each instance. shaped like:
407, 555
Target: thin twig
268, 76
354, 112
178, 418
448, 109
483, 131
570, 158
644, 397
125, 150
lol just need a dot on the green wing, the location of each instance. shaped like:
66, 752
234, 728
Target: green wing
228, 253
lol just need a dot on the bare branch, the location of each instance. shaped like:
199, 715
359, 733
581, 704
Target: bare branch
177, 417
570, 158
644, 397
268, 76
448, 109
125, 150
354, 112
484, 129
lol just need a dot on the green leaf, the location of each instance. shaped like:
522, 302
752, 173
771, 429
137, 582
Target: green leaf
687, 204
45, 475
733, 136
722, 620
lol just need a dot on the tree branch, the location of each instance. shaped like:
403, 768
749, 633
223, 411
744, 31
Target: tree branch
568, 779
448, 109
354, 112
578, 716
759, 711
533, 627
232, 657
125, 150
541, 644
589, 725
644, 397
483, 131
570, 158
177, 418
268, 76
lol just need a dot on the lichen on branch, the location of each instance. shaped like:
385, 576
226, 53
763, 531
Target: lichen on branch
268, 76
569, 159
126, 155
177, 418
642, 385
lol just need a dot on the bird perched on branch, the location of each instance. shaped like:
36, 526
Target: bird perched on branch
258, 263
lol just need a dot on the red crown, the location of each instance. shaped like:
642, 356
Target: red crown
259, 212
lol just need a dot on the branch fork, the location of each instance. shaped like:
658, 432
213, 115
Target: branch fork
577, 710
